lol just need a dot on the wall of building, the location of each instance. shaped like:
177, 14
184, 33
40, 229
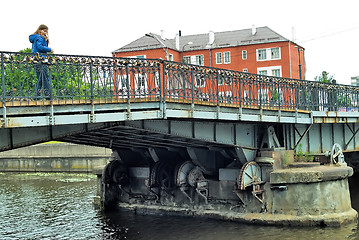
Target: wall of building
288, 62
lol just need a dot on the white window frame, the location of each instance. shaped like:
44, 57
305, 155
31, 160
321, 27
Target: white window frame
274, 71
219, 58
263, 72
244, 54
265, 54
198, 59
137, 56
271, 54
261, 54
187, 59
141, 89
245, 70
122, 85
227, 59
194, 59
263, 96
270, 70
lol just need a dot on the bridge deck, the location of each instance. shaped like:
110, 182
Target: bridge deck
92, 93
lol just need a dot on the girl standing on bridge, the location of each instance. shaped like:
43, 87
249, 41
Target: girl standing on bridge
40, 42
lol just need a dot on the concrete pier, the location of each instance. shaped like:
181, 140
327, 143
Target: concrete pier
54, 157
301, 195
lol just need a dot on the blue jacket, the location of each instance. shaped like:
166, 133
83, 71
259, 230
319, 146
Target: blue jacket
39, 44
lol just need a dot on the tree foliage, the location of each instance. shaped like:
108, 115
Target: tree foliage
325, 77
67, 79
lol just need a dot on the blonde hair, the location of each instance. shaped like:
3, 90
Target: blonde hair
42, 27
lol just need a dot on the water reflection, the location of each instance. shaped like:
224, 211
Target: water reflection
60, 207
125, 225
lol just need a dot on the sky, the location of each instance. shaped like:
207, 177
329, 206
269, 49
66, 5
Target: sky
327, 29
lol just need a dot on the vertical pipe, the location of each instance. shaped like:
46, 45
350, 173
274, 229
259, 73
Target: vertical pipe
217, 93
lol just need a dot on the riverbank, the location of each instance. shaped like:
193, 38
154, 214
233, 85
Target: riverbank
54, 157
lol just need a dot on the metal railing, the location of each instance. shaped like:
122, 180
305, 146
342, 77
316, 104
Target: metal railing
74, 79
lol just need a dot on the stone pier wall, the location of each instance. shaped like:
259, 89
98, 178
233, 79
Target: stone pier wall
54, 157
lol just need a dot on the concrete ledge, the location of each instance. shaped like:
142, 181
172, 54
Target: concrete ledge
334, 219
98, 170
310, 174
57, 157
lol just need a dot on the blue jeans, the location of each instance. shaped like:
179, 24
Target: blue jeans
43, 86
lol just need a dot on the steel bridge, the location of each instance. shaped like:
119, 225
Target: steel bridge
150, 109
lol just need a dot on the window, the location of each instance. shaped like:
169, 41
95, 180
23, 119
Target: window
268, 54
123, 85
275, 71
275, 53
245, 70
170, 57
138, 56
200, 81
199, 60
262, 54
219, 58
263, 96
244, 54
263, 72
227, 57
225, 97
187, 59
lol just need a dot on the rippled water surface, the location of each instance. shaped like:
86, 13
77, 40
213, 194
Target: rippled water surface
59, 206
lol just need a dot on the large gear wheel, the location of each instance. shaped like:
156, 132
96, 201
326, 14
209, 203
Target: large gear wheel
161, 174
250, 174
182, 173
337, 156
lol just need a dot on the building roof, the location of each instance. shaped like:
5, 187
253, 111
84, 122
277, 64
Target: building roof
201, 41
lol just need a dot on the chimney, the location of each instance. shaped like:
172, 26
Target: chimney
294, 38
211, 38
177, 41
163, 34
254, 30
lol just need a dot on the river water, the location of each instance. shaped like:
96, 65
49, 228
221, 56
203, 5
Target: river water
60, 206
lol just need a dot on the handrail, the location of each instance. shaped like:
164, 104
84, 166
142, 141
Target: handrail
75, 78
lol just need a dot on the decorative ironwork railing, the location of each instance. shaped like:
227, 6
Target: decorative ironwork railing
73, 78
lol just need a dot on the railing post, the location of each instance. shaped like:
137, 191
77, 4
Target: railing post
3, 78
192, 86
91, 81
260, 93
162, 82
278, 93
128, 83
163, 90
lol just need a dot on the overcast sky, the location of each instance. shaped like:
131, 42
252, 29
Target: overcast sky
328, 30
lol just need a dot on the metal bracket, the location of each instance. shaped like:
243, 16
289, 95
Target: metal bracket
301, 135
354, 133
270, 138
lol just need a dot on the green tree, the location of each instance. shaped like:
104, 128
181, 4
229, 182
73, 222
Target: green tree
325, 78
71, 77
20, 77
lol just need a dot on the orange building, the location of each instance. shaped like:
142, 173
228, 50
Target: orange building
256, 50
